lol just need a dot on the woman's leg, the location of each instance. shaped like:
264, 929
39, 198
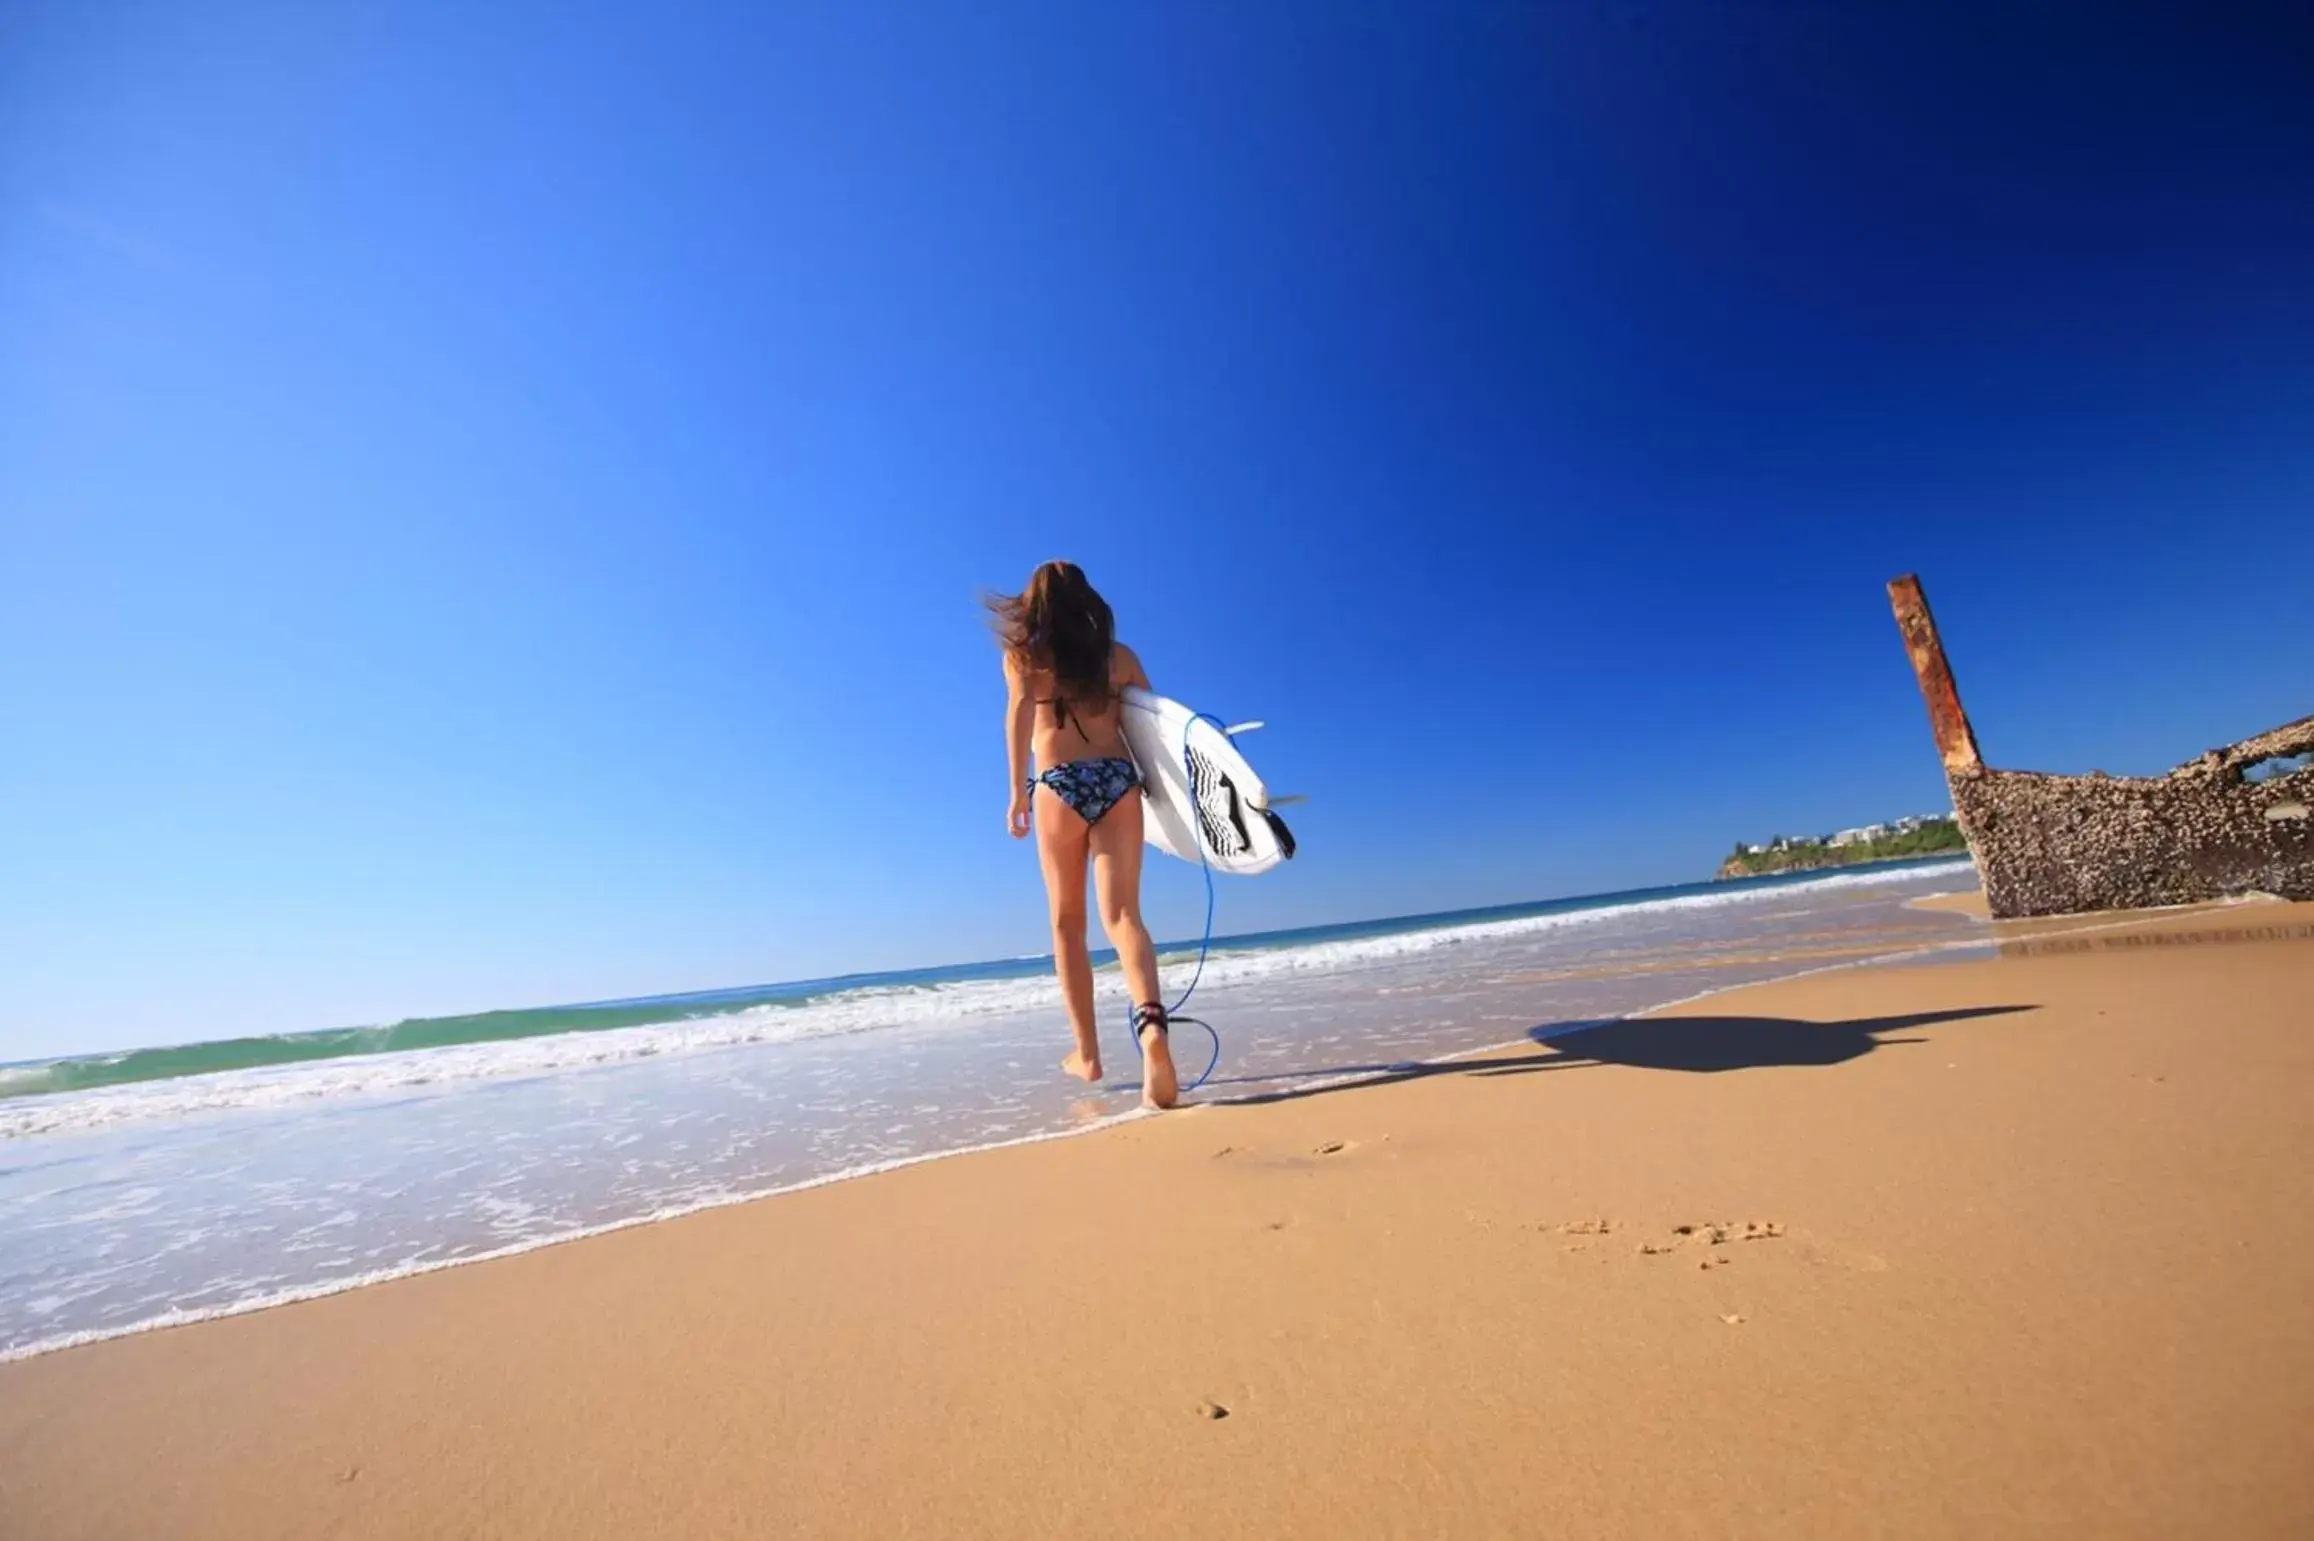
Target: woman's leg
1060, 847
1116, 851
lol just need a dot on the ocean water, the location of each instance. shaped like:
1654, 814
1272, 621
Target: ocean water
165, 1185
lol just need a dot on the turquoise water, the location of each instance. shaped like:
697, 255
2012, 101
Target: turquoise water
166, 1185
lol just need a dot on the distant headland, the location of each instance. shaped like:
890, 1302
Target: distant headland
1921, 835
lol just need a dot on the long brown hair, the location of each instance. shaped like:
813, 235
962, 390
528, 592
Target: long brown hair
1061, 623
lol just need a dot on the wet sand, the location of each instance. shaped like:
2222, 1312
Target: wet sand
2011, 1246
1971, 903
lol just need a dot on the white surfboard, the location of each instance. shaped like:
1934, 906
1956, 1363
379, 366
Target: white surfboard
1202, 796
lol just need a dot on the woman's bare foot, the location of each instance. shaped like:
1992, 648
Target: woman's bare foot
1084, 1068
1160, 1086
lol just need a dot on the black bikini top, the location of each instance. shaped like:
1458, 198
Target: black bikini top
1060, 705
1061, 717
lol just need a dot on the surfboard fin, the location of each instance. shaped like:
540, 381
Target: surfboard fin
1288, 799
1243, 727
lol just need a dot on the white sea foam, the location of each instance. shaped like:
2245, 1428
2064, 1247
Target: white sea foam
1392, 946
365, 1074
867, 1009
265, 1299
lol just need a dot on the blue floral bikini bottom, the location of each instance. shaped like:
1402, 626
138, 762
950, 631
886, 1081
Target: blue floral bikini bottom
1091, 787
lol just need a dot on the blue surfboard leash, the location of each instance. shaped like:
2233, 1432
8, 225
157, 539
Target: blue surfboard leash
1205, 941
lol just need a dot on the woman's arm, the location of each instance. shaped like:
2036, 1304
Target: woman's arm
1129, 671
1019, 720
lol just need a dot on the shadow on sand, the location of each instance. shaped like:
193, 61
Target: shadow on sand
1697, 1044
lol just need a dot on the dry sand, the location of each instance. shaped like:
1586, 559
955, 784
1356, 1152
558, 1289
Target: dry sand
2009, 1247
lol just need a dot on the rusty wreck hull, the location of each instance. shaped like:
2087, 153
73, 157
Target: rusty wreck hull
2055, 845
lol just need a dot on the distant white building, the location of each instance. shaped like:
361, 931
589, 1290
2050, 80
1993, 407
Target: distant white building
1857, 836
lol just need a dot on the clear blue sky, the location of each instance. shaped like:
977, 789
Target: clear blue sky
492, 497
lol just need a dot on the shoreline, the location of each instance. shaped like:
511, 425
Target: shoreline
1398, 1289
662, 1013
1968, 902
1580, 965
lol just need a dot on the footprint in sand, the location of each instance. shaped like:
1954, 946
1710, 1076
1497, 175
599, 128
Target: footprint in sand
1332, 1148
1708, 1234
1720, 1239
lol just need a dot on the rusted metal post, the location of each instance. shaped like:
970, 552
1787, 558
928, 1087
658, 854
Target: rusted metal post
1954, 739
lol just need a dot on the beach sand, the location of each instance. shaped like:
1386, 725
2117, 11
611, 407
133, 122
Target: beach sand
2005, 1247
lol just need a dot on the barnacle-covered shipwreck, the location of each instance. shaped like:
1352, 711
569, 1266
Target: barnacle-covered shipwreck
2238, 820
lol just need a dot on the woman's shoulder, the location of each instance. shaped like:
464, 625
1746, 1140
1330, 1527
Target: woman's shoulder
1125, 665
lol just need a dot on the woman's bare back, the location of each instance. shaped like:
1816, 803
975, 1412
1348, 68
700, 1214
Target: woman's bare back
1069, 729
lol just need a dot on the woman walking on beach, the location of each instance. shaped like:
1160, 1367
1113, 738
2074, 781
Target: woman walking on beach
1063, 671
